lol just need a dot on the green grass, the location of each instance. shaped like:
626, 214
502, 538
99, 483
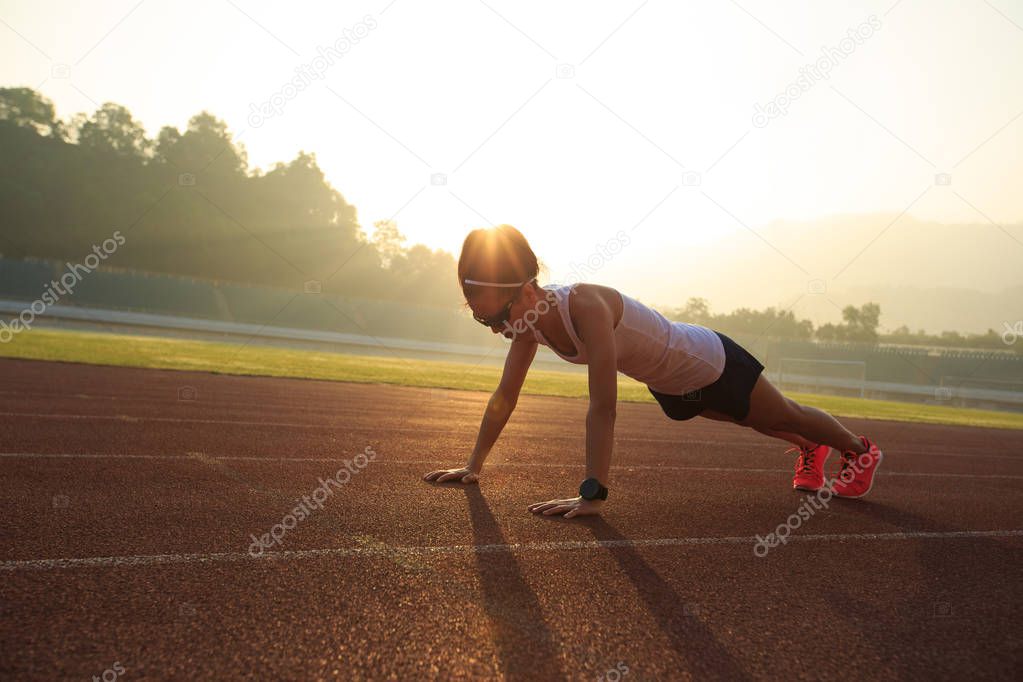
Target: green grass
236, 358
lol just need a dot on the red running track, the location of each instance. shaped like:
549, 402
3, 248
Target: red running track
130, 498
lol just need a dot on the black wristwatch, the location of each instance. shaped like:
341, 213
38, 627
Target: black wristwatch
591, 489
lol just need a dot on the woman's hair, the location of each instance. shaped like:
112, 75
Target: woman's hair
495, 254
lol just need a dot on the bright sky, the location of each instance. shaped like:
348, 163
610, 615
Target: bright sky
575, 120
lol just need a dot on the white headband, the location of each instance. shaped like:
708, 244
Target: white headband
497, 284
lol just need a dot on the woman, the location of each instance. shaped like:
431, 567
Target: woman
689, 369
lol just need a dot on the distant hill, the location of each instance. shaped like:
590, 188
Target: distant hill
923, 274
935, 310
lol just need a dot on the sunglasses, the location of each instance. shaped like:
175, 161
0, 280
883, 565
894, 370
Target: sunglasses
502, 316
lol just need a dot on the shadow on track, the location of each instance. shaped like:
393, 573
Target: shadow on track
691, 639
525, 645
940, 604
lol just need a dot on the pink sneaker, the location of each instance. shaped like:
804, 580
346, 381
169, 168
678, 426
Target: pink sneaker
856, 477
810, 468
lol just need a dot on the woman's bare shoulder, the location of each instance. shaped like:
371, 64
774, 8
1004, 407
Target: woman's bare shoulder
593, 291
589, 295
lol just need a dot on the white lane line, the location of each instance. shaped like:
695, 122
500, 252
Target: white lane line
162, 559
671, 467
420, 431
173, 420
433, 462
415, 431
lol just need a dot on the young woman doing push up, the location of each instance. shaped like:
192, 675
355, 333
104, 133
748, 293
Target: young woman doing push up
689, 369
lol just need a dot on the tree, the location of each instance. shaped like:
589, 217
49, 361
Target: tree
860, 324
112, 129
422, 275
828, 332
697, 310
388, 241
206, 146
166, 140
26, 108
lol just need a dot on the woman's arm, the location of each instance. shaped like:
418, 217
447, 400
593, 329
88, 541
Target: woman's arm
499, 410
595, 327
596, 330
502, 403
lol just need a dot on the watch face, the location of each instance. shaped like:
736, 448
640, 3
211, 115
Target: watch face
588, 490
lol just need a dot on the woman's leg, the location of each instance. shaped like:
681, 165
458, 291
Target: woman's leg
772, 413
770, 409
793, 438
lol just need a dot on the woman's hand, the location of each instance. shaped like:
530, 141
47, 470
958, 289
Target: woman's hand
574, 506
463, 475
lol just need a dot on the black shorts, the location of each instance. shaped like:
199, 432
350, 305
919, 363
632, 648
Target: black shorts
729, 394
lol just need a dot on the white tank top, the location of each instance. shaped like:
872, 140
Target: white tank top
669, 357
